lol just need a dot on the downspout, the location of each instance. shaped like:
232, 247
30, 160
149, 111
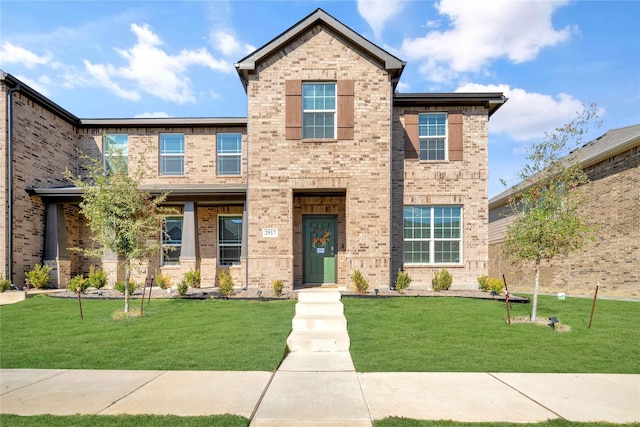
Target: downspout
394, 82
9, 272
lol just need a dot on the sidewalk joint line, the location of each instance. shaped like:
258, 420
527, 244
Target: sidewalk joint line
62, 371
528, 397
131, 392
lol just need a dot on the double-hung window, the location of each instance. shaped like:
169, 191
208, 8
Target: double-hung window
432, 132
318, 110
115, 145
229, 239
171, 240
432, 234
172, 154
229, 149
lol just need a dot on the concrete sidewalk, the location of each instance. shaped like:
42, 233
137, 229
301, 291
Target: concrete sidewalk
513, 397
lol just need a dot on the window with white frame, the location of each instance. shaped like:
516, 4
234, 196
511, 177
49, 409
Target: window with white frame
171, 240
229, 150
432, 132
115, 145
432, 234
229, 239
172, 154
318, 110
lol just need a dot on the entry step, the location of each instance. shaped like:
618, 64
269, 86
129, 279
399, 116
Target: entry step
318, 341
319, 322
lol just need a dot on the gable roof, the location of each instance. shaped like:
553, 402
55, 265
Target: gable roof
611, 143
389, 62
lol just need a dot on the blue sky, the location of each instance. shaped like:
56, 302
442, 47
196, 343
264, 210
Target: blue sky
112, 59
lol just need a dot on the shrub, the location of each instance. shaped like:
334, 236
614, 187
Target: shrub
277, 287
78, 282
402, 281
192, 278
119, 286
361, 283
5, 284
183, 287
441, 280
97, 278
163, 281
490, 284
39, 277
225, 282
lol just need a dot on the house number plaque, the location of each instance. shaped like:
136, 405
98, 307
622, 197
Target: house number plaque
269, 232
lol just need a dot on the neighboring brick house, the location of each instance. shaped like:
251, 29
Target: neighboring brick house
612, 163
331, 171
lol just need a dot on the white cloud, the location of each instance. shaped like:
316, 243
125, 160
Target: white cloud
152, 70
528, 115
228, 44
402, 87
378, 12
484, 30
155, 115
12, 54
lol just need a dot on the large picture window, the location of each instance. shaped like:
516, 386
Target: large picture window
229, 239
171, 240
115, 145
432, 234
172, 154
229, 150
432, 131
318, 110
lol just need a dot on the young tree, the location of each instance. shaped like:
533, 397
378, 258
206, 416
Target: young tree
123, 219
547, 221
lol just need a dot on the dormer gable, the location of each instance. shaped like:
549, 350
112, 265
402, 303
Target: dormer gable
384, 59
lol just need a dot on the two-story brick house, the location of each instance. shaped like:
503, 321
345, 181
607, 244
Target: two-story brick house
331, 171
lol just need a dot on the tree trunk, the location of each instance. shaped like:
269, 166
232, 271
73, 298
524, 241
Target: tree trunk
127, 274
534, 305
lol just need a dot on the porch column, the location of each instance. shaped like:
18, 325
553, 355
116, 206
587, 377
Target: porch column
56, 253
189, 253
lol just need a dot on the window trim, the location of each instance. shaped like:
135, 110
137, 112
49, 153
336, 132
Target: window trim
163, 263
221, 244
334, 111
434, 137
163, 156
218, 155
432, 239
105, 150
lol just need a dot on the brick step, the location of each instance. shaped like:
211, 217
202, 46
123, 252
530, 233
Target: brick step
314, 341
318, 322
319, 308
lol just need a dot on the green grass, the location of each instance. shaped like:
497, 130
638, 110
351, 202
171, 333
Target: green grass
465, 335
45, 332
122, 421
405, 422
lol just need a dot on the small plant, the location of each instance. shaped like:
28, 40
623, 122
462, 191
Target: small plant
441, 280
490, 284
5, 284
192, 278
225, 282
361, 283
39, 277
97, 278
402, 281
183, 288
277, 287
119, 286
163, 281
78, 284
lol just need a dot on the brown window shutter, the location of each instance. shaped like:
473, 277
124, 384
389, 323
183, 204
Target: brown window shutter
455, 135
411, 140
345, 109
293, 109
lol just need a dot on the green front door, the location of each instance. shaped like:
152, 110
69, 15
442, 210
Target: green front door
319, 249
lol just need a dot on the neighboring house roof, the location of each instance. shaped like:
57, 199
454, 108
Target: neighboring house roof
613, 142
491, 100
389, 62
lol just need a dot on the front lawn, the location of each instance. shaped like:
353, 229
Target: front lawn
44, 332
465, 335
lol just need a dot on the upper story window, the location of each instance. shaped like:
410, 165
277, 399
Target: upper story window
171, 240
115, 145
318, 110
432, 132
172, 154
229, 150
